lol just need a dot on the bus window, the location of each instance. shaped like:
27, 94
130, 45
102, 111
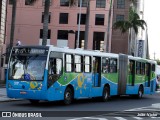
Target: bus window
69, 62
131, 66
95, 65
78, 63
143, 69
87, 64
105, 65
153, 67
138, 67
113, 66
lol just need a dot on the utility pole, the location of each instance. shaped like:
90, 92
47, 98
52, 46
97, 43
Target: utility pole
79, 23
154, 55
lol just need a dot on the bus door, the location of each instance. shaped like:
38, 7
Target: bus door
96, 71
148, 75
123, 68
152, 77
132, 72
55, 65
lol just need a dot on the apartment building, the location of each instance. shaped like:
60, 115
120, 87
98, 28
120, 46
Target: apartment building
63, 24
3, 7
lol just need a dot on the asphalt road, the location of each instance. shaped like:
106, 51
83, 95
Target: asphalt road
86, 109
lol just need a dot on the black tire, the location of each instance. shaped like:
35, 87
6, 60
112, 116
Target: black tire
34, 102
140, 93
105, 94
68, 96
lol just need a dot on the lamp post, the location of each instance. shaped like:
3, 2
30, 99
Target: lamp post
79, 22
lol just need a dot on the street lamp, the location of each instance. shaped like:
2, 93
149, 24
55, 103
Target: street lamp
79, 22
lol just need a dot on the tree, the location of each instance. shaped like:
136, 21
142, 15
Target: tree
45, 23
133, 22
46, 17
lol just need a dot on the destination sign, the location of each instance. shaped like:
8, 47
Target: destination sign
29, 51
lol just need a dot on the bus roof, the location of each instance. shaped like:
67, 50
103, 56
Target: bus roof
81, 51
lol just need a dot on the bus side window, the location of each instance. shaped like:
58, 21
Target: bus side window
113, 65
143, 69
105, 65
153, 69
69, 63
131, 67
138, 67
87, 64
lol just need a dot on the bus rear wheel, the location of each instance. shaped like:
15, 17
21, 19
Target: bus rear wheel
68, 96
105, 95
140, 93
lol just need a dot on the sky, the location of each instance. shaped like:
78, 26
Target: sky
152, 17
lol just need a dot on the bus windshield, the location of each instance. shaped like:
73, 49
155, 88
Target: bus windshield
27, 66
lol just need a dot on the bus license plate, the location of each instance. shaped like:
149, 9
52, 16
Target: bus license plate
23, 92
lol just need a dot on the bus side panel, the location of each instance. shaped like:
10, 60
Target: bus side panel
113, 85
131, 90
81, 83
55, 92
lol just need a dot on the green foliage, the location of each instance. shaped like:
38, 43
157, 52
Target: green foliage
158, 62
133, 21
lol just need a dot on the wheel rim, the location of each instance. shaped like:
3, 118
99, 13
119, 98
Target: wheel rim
106, 95
68, 96
140, 93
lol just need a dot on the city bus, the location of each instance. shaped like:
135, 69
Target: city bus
50, 73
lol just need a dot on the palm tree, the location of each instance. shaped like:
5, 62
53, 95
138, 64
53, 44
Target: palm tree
133, 22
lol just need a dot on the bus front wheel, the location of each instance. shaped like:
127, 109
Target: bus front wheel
105, 95
68, 96
34, 102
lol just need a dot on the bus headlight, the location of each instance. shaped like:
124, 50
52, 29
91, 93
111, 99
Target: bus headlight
40, 87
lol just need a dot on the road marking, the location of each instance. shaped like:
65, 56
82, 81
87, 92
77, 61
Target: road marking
120, 118
95, 118
138, 118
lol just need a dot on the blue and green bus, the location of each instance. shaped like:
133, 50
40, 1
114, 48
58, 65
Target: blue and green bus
52, 73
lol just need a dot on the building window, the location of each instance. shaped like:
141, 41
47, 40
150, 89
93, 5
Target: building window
83, 19
49, 34
64, 2
63, 34
10, 2
121, 4
98, 41
99, 19
30, 2
63, 18
81, 39
49, 19
119, 17
43, 2
84, 3
100, 3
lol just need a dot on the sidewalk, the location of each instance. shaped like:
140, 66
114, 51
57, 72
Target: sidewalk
2, 84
